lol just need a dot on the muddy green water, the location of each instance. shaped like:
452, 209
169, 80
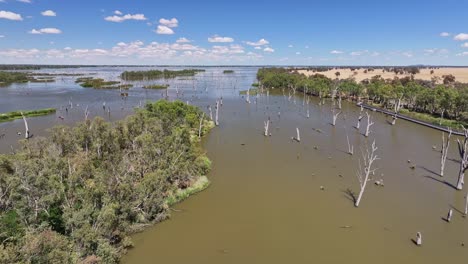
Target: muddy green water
265, 204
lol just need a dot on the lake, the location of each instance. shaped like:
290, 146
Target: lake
272, 199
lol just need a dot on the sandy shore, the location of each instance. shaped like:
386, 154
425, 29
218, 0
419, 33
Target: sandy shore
461, 74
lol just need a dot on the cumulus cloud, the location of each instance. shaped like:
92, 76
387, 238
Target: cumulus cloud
172, 23
24, 1
269, 50
183, 40
2, 36
465, 53
258, 48
117, 12
46, 31
10, 15
290, 46
359, 53
49, 13
336, 52
261, 42
444, 34
163, 30
407, 54
461, 37
218, 39
465, 45
120, 18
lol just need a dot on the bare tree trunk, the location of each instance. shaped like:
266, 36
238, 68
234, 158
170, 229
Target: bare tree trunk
267, 126
449, 215
201, 124
418, 239
211, 112
365, 170
394, 118
350, 147
359, 119
445, 147
369, 124
465, 213
247, 99
298, 135
86, 113
308, 113
217, 111
339, 101
463, 151
26, 127
335, 116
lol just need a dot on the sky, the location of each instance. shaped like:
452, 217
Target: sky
183, 32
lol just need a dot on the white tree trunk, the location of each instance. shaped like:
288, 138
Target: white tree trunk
365, 170
418, 239
26, 127
201, 125
350, 147
449, 215
335, 116
217, 111
369, 124
463, 151
211, 112
445, 148
267, 126
466, 205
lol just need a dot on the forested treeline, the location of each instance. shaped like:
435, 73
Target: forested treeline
449, 99
76, 195
157, 74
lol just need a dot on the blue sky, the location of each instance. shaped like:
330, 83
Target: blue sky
294, 32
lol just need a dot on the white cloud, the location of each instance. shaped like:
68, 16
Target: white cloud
163, 30
67, 48
258, 48
298, 53
336, 52
435, 51
24, 1
269, 50
358, 53
218, 39
261, 42
407, 54
465, 45
10, 15
172, 23
232, 49
183, 40
461, 36
2, 36
444, 34
465, 53
121, 18
46, 31
49, 13
306, 47
290, 46
117, 12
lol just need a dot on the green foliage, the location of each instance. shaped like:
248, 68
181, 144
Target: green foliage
98, 83
228, 71
157, 74
78, 194
4, 117
156, 86
13, 77
423, 98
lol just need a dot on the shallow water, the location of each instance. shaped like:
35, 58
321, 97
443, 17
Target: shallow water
265, 204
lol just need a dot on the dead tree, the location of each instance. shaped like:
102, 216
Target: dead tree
86, 113
449, 215
247, 99
217, 111
366, 170
298, 135
394, 118
267, 126
418, 239
201, 125
308, 113
350, 147
335, 116
359, 119
465, 213
445, 147
369, 124
463, 151
27, 135
211, 112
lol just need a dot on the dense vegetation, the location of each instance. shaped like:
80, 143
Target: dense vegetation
78, 194
13, 77
156, 74
449, 99
4, 117
228, 71
98, 83
156, 86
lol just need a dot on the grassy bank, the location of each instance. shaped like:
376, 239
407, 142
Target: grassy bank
98, 83
433, 120
10, 116
228, 71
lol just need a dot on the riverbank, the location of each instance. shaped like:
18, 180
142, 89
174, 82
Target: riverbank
10, 116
